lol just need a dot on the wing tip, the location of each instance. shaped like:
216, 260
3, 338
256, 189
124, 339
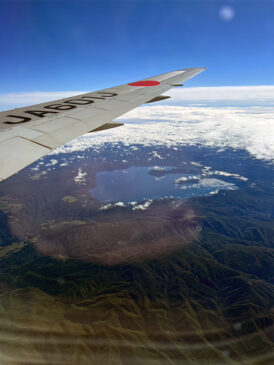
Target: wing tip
194, 69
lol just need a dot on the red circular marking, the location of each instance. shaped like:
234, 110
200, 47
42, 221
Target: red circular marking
145, 83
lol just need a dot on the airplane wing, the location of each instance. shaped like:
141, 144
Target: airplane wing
28, 133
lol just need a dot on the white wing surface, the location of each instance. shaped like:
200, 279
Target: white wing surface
28, 133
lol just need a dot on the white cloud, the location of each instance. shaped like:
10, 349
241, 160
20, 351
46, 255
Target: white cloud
183, 179
196, 164
214, 192
155, 154
224, 173
105, 207
143, 206
119, 204
80, 177
158, 168
52, 162
134, 204
251, 129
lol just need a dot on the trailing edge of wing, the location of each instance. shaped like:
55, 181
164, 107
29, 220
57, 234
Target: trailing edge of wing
107, 126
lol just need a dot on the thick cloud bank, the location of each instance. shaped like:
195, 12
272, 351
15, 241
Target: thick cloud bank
251, 129
224, 95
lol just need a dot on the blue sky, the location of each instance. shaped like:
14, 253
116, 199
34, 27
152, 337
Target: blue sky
87, 45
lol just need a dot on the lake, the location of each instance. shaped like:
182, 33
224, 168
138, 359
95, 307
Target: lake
138, 184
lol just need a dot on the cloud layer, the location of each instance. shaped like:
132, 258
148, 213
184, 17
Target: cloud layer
225, 95
251, 129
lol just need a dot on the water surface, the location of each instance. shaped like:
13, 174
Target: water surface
137, 184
